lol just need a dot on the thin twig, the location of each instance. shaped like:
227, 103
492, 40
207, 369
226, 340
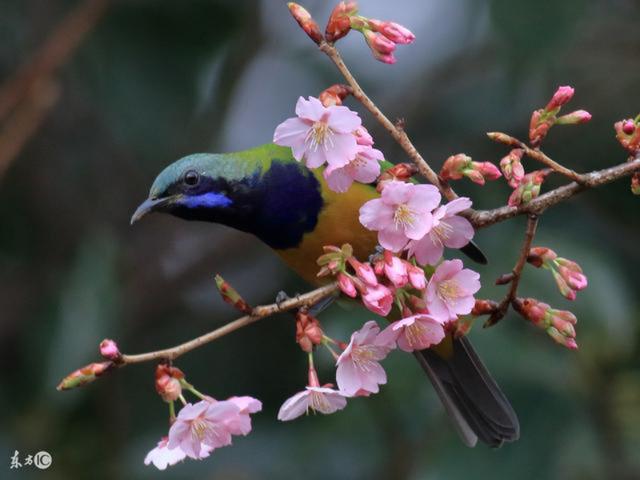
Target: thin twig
537, 154
530, 232
258, 313
485, 218
396, 132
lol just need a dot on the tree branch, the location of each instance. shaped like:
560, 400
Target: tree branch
485, 218
398, 134
258, 313
503, 307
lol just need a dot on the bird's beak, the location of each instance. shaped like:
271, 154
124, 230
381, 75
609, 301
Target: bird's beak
148, 206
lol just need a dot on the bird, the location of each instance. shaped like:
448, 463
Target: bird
264, 191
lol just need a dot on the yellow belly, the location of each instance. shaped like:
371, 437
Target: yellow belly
337, 224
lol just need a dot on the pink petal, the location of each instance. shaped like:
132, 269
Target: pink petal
424, 198
457, 205
438, 309
342, 151
376, 215
461, 232
395, 193
468, 280
247, 404
426, 251
348, 378
343, 120
388, 336
464, 305
366, 171
447, 269
311, 109
334, 400
315, 157
294, 406
420, 227
392, 238
292, 133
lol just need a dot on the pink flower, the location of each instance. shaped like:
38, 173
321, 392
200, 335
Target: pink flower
393, 31
162, 456
201, 427
402, 213
320, 134
319, 399
358, 368
364, 168
378, 299
450, 290
448, 230
416, 332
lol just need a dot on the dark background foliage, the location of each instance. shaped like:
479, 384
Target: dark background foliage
156, 80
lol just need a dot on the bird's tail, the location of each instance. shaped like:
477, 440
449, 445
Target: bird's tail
472, 399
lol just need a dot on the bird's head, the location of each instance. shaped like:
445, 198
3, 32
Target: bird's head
206, 187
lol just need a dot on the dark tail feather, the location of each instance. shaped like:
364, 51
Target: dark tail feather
470, 396
472, 251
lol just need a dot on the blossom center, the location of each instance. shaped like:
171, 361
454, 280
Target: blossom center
449, 291
318, 402
414, 334
404, 216
320, 135
440, 233
199, 428
363, 357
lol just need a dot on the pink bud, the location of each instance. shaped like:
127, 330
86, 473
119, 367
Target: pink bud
484, 307
489, 170
454, 166
574, 118
568, 342
528, 189
308, 331
364, 271
168, 382
379, 43
346, 285
628, 134
363, 137
334, 95
109, 350
417, 277
560, 98
541, 256
559, 324
378, 299
339, 23
539, 126
628, 127
306, 22
395, 270
393, 31
512, 168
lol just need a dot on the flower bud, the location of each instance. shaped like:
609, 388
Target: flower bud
381, 47
401, 172
484, 307
541, 256
540, 124
574, 118
635, 183
512, 168
503, 138
340, 21
562, 96
231, 296
559, 324
84, 375
528, 189
168, 382
417, 278
395, 269
334, 95
393, 31
628, 127
628, 134
569, 277
364, 272
308, 331
109, 350
346, 285
461, 165
306, 22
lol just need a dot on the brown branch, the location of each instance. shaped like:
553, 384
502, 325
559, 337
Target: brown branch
485, 218
398, 134
258, 313
536, 154
55, 52
503, 307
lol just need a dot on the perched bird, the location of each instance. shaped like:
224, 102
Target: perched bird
266, 192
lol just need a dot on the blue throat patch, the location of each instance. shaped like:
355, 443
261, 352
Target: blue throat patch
206, 200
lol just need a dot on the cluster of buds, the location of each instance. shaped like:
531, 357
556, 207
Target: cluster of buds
543, 119
567, 274
628, 134
308, 331
169, 382
231, 296
559, 324
457, 166
512, 168
528, 188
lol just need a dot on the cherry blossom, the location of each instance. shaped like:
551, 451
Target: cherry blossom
320, 134
162, 456
415, 332
450, 290
358, 368
402, 213
448, 230
319, 399
364, 168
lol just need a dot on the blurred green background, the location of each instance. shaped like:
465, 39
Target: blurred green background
157, 79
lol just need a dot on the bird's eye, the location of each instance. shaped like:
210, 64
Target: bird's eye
191, 178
